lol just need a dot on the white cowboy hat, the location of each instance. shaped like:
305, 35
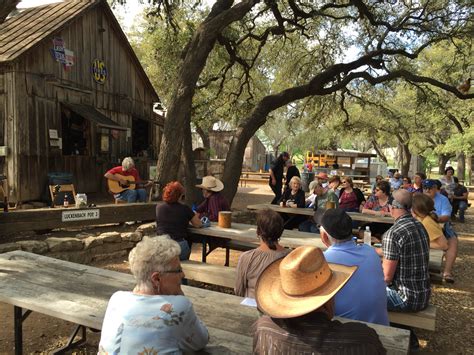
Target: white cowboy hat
300, 283
211, 183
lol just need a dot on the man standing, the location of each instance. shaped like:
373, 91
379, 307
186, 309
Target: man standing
276, 175
406, 252
443, 210
363, 297
296, 294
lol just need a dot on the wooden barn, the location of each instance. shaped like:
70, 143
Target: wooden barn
74, 98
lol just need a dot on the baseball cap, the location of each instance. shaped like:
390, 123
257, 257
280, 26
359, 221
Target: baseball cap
429, 183
335, 221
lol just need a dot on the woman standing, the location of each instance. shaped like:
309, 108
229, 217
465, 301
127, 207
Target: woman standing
350, 197
253, 262
156, 315
173, 217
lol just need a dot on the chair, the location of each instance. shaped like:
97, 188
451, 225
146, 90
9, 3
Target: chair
58, 192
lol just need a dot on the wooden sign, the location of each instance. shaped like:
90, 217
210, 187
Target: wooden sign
80, 215
99, 71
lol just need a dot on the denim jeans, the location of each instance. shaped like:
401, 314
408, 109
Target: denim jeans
394, 301
460, 206
138, 195
185, 250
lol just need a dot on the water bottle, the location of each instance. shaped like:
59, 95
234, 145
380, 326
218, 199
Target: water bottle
367, 236
66, 201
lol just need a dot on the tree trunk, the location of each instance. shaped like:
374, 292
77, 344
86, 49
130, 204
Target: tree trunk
442, 161
206, 141
461, 171
379, 151
196, 53
406, 159
193, 194
469, 170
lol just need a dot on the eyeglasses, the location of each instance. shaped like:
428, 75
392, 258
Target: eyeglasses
177, 271
398, 205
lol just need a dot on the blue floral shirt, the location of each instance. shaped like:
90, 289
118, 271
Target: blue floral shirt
151, 325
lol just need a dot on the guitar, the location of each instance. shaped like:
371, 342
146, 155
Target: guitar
116, 187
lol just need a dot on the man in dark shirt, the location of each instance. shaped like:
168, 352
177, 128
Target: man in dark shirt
297, 294
291, 170
276, 175
459, 200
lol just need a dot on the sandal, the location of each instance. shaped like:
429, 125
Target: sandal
448, 278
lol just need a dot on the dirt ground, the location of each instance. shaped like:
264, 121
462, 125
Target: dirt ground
454, 323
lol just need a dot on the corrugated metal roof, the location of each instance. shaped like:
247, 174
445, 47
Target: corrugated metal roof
23, 31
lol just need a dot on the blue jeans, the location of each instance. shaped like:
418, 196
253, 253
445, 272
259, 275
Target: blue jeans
138, 195
394, 301
185, 250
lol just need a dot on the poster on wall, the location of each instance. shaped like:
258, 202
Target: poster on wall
99, 71
61, 54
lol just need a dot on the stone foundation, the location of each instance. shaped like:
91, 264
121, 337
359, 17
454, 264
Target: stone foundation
82, 249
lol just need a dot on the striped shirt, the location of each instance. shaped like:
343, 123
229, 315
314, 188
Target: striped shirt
313, 333
407, 241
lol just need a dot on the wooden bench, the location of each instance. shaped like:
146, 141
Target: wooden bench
244, 181
225, 276
79, 294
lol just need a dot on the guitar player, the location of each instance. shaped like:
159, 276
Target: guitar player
130, 193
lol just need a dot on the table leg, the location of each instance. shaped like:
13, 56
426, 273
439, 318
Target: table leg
204, 249
19, 317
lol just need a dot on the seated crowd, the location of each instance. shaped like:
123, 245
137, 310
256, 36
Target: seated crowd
297, 291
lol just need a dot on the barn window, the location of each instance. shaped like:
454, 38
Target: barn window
75, 133
140, 137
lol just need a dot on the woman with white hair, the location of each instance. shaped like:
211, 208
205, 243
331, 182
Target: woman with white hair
156, 315
293, 197
131, 193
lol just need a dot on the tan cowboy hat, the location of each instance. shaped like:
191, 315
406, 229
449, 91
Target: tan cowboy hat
211, 183
300, 283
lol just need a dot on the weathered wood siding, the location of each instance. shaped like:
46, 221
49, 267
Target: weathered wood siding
40, 84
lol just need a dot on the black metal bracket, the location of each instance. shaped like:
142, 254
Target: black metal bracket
71, 344
20, 317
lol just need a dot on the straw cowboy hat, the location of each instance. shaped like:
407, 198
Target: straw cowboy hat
211, 183
300, 283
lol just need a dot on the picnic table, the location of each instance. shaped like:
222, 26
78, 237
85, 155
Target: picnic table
79, 294
309, 212
215, 237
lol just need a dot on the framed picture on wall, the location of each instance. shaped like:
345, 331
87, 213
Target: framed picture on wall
104, 143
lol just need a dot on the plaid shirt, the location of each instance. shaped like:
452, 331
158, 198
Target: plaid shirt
407, 241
